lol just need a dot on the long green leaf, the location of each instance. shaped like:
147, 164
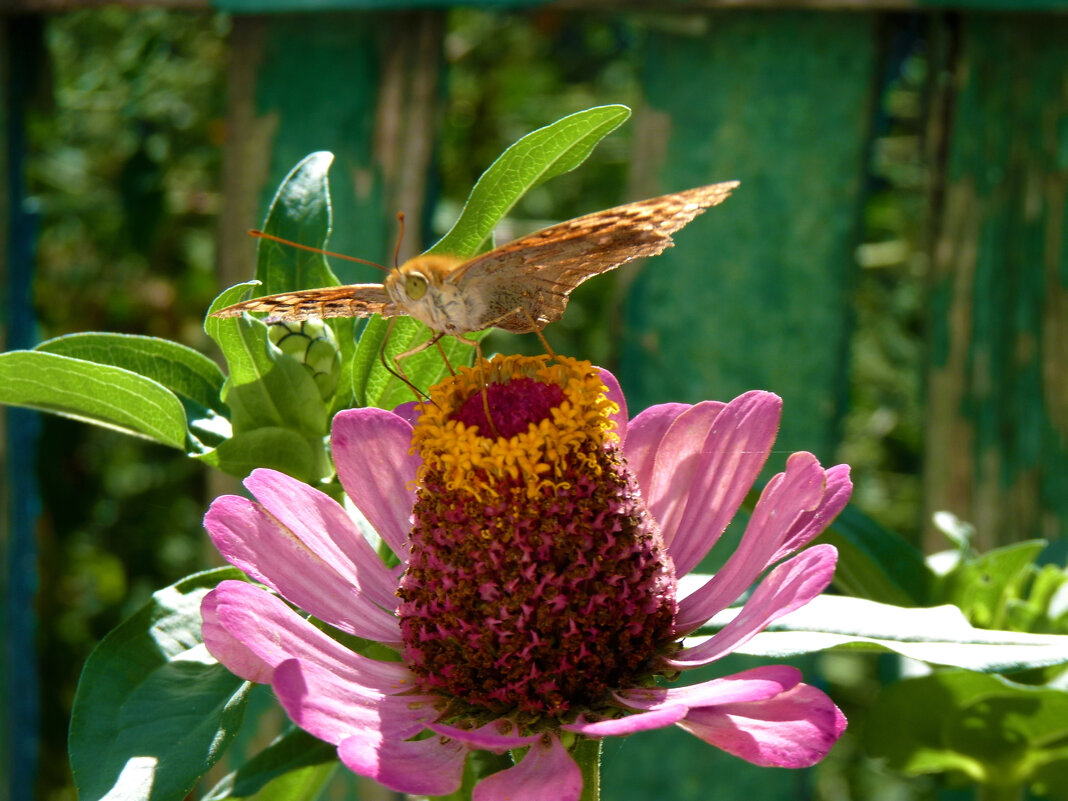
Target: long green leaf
182, 370
939, 635
96, 393
538, 156
154, 711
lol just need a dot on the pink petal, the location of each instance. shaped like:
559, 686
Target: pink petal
615, 394
789, 586
643, 439
664, 715
252, 632
251, 539
408, 411
810, 525
324, 528
705, 466
370, 448
434, 766
546, 772
755, 684
230, 651
332, 708
497, 736
792, 730
786, 497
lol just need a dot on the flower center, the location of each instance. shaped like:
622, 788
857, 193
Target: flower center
514, 406
537, 583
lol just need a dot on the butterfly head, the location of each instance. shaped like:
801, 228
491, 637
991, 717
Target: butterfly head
421, 288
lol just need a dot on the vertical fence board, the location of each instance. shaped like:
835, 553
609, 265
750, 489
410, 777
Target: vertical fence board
997, 432
363, 86
757, 292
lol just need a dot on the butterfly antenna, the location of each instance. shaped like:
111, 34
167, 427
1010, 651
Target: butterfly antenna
298, 245
400, 238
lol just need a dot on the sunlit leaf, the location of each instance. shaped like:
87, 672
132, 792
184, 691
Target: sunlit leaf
154, 711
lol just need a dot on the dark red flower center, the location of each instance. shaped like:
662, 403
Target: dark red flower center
513, 405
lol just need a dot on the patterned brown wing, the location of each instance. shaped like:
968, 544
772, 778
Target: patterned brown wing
530, 279
354, 300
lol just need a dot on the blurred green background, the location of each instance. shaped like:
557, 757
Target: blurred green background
874, 148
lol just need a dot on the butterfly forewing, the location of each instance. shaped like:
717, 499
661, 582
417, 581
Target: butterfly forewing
354, 300
525, 284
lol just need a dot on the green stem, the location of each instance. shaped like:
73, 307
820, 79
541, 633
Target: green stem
587, 753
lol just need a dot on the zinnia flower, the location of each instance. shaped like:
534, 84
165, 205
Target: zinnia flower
534, 604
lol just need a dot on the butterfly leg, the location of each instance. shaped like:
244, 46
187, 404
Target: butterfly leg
540, 335
479, 360
398, 373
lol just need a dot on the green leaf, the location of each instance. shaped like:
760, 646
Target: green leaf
182, 370
95, 393
154, 711
295, 766
300, 212
278, 448
538, 156
939, 635
266, 387
993, 730
876, 563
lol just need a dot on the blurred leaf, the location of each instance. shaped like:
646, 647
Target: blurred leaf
877, 564
154, 711
991, 729
538, 156
94, 393
296, 766
939, 635
983, 586
182, 370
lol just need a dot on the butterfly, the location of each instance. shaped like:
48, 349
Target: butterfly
519, 287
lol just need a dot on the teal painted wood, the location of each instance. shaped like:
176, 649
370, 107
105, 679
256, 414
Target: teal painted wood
997, 440
318, 83
756, 294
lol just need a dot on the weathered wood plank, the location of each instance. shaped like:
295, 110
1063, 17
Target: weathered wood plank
757, 292
997, 433
361, 86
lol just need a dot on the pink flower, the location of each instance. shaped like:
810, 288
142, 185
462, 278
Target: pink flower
534, 603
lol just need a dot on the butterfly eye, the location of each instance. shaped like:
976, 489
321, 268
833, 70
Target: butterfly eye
415, 285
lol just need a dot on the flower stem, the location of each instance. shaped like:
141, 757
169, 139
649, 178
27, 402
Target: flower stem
587, 753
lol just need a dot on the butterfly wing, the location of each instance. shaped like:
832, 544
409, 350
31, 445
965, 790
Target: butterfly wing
354, 300
528, 280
